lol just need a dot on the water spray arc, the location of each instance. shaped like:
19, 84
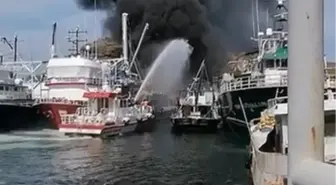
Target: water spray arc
167, 70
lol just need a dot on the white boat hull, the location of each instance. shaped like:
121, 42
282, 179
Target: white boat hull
97, 130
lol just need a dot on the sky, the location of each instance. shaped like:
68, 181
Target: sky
32, 23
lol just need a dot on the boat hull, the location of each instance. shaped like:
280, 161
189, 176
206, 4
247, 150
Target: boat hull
53, 111
146, 125
254, 102
164, 112
188, 124
96, 130
15, 117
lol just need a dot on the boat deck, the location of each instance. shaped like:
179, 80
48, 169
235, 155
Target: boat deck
260, 137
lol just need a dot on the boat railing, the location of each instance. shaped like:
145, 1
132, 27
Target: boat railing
274, 80
70, 80
60, 101
247, 82
284, 99
85, 115
273, 102
15, 94
127, 111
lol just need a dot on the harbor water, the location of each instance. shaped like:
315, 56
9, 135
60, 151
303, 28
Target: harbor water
47, 158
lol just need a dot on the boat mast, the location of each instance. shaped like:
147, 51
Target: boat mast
197, 91
253, 23
124, 37
257, 15
137, 50
53, 49
14, 47
95, 30
206, 73
75, 41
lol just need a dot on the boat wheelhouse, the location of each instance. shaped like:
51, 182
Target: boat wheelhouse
107, 114
264, 78
66, 81
198, 108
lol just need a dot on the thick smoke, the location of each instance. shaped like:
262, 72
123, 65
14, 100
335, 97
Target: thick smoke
214, 28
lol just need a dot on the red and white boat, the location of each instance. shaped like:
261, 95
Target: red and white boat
67, 80
107, 114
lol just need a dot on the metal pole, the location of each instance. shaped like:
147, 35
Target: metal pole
305, 88
53, 51
95, 30
124, 37
77, 41
139, 44
15, 48
253, 23
257, 15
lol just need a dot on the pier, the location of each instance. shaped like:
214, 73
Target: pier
305, 91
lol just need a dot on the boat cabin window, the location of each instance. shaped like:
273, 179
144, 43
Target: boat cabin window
186, 110
275, 64
269, 64
6, 88
1, 88
205, 110
102, 103
124, 103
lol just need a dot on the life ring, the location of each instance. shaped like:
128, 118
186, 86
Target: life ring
53, 99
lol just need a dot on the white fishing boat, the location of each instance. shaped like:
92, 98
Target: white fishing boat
68, 78
267, 163
261, 77
15, 103
199, 108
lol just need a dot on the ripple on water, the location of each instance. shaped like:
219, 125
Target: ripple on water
159, 157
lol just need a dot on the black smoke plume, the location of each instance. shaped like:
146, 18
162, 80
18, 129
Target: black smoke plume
214, 28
